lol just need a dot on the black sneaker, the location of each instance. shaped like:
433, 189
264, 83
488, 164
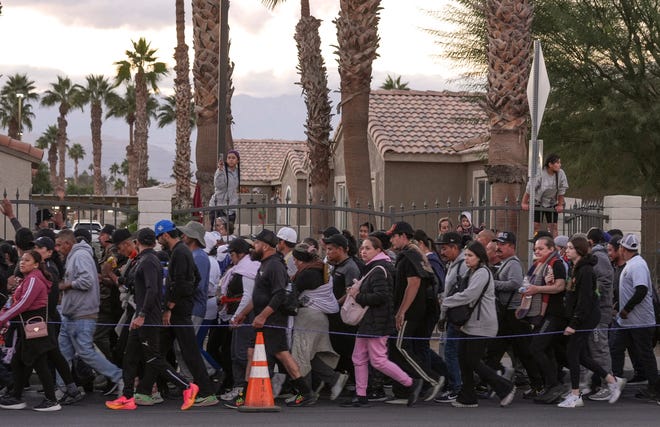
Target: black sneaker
47, 406
644, 394
377, 396
415, 390
10, 402
237, 402
70, 399
448, 397
550, 395
303, 400
533, 393
356, 402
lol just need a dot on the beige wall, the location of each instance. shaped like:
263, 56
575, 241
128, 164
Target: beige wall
16, 174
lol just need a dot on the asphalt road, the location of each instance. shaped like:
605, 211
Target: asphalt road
628, 412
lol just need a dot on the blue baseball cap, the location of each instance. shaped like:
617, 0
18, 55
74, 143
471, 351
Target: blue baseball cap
164, 226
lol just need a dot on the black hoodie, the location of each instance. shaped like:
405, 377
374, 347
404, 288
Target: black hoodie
582, 300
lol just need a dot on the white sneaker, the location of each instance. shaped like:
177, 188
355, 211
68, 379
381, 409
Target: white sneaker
338, 387
572, 401
507, 373
602, 394
616, 388
231, 395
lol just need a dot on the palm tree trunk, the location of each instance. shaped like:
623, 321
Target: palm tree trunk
52, 164
75, 171
357, 34
131, 157
61, 146
95, 124
314, 81
141, 131
509, 56
183, 95
206, 42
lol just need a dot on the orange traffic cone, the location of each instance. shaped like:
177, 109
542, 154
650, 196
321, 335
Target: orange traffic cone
259, 396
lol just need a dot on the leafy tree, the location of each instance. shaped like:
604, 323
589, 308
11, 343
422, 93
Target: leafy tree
65, 95
144, 71
119, 186
394, 84
41, 182
48, 141
96, 92
9, 103
76, 153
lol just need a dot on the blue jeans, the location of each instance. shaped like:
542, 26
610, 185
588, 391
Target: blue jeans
77, 338
451, 359
201, 336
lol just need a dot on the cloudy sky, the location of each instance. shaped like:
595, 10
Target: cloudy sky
47, 38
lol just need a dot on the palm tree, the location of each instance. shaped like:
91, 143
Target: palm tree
314, 82
97, 92
9, 100
66, 95
76, 153
148, 71
206, 42
48, 141
124, 107
509, 36
119, 186
357, 36
183, 98
394, 84
166, 112
114, 170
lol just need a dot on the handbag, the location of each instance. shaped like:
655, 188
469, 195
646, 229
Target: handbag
459, 316
35, 327
351, 312
290, 304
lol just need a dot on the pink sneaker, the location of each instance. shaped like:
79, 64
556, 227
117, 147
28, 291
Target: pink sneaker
122, 403
189, 396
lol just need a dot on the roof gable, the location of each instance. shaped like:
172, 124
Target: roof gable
263, 159
21, 149
427, 122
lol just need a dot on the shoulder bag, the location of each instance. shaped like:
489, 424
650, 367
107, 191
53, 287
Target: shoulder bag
351, 312
459, 316
35, 327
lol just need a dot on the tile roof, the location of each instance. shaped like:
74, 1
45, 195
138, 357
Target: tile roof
22, 149
263, 159
427, 122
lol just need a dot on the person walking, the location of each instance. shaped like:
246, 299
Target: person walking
478, 291
583, 313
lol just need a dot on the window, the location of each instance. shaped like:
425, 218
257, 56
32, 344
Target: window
341, 217
482, 199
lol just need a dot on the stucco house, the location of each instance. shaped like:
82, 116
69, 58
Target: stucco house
18, 162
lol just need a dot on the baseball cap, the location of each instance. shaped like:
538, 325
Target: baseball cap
450, 238
83, 234
561, 241
539, 234
194, 230
45, 242
337, 240
145, 236
506, 237
238, 245
267, 236
287, 234
24, 239
401, 227
164, 226
630, 242
615, 241
119, 236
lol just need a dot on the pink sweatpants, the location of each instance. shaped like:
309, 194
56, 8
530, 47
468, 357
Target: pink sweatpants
374, 350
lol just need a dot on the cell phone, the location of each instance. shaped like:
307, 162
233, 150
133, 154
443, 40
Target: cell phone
221, 158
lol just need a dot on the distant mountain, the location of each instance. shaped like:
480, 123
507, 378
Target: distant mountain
281, 117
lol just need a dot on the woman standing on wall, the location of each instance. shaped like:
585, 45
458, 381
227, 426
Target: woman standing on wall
227, 180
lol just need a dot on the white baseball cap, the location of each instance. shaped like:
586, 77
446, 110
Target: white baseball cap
630, 242
288, 234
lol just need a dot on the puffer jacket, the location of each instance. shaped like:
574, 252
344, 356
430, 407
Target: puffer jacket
376, 293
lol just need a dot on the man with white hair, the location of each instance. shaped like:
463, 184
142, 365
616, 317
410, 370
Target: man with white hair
287, 241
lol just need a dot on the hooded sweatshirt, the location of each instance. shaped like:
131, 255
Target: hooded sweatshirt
604, 275
82, 300
31, 294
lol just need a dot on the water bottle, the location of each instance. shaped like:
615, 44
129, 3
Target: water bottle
526, 301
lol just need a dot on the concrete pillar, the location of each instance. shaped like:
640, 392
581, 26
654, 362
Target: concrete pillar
625, 213
154, 204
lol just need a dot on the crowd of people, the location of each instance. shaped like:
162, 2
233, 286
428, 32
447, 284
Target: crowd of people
172, 311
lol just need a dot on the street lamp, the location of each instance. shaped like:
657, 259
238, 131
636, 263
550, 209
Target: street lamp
20, 97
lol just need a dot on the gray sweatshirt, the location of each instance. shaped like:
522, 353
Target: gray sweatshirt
604, 273
508, 280
82, 300
483, 321
457, 268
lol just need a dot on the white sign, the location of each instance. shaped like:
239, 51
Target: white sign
543, 90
